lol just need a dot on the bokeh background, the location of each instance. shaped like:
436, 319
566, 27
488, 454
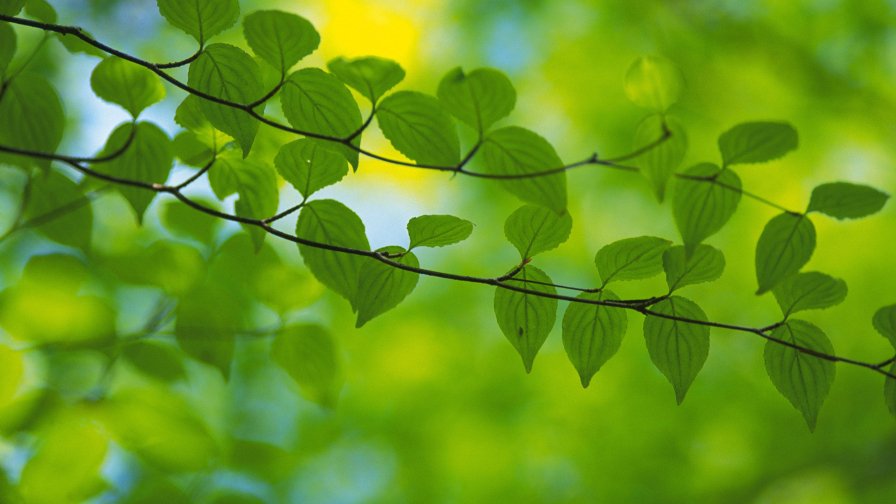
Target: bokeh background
436, 406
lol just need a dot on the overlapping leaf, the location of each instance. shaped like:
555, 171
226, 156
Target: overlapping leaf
705, 264
677, 348
478, 98
382, 287
534, 229
631, 258
514, 152
371, 76
809, 291
705, 199
785, 245
592, 333
280, 38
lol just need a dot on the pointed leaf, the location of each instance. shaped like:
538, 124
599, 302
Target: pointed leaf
785, 245
418, 127
526, 319
659, 163
332, 223
127, 84
309, 355
592, 333
41, 11
885, 323
54, 190
148, 158
704, 265
478, 98
809, 291
310, 166
631, 258
259, 196
534, 229
705, 199
317, 102
677, 348
437, 230
31, 117
803, 379
228, 73
515, 151
200, 18
371, 76
280, 38
757, 142
653, 82
382, 287
843, 200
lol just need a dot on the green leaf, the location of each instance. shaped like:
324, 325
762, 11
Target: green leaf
332, 223
7, 47
309, 166
703, 203
803, 379
31, 117
437, 230
41, 11
757, 142
190, 150
124, 83
259, 197
76, 45
228, 73
653, 82
885, 323
659, 163
188, 223
317, 102
809, 291
677, 348
631, 258
526, 319
202, 19
479, 98
890, 391
418, 127
308, 354
174, 267
370, 76
592, 333
785, 246
209, 335
516, 151
534, 229
280, 38
156, 360
54, 190
11, 7
382, 287
843, 200
704, 265
148, 158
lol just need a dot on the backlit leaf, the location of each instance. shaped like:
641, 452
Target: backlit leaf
809, 291
437, 230
757, 142
156, 360
479, 98
31, 117
308, 354
382, 287
526, 319
631, 258
534, 229
785, 245
843, 200
202, 19
515, 151
653, 82
592, 333
704, 265
310, 166
418, 127
705, 199
659, 163
371, 76
885, 323
127, 84
280, 38
677, 348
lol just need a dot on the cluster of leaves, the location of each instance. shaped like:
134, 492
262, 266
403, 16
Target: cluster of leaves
228, 90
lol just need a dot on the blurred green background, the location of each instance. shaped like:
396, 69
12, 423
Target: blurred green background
435, 405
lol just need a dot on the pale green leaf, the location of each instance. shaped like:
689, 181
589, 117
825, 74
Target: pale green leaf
659, 163
54, 190
809, 291
677, 348
526, 319
705, 199
31, 117
41, 10
592, 333
124, 83
843, 200
371, 76
418, 127
631, 258
514, 152
310, 166
259, 197
202, 19
382, 287
190, 150
479, 98
534, 229
705, 264
280, 38
757, 142
803, 379
437, 230
785, 246
308, 353
653, 82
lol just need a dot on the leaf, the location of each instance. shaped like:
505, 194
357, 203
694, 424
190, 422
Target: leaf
418, 127
704, 265
228, 73
259, 197
186, 222
31, 118
319, 103
54, 190
202, 19
7, 47
659, 163
479, 98
11, 375
885, 323
702, 207
592, 333
677, 348
534, 229
371, 76
809, 291
127, 84
172, 266
309, 166
526, 319
437, 230
785, 246
148, 158
209, 334
41, 11
631, 258
308, 354
515, 151
190, 150
890, 391
280, 38
653, 82
76, 45
332, 223
382, 287
803, 379
843, 200
156, 360
757, 142
11, 7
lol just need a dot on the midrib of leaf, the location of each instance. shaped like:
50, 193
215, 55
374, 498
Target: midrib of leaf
777, 258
